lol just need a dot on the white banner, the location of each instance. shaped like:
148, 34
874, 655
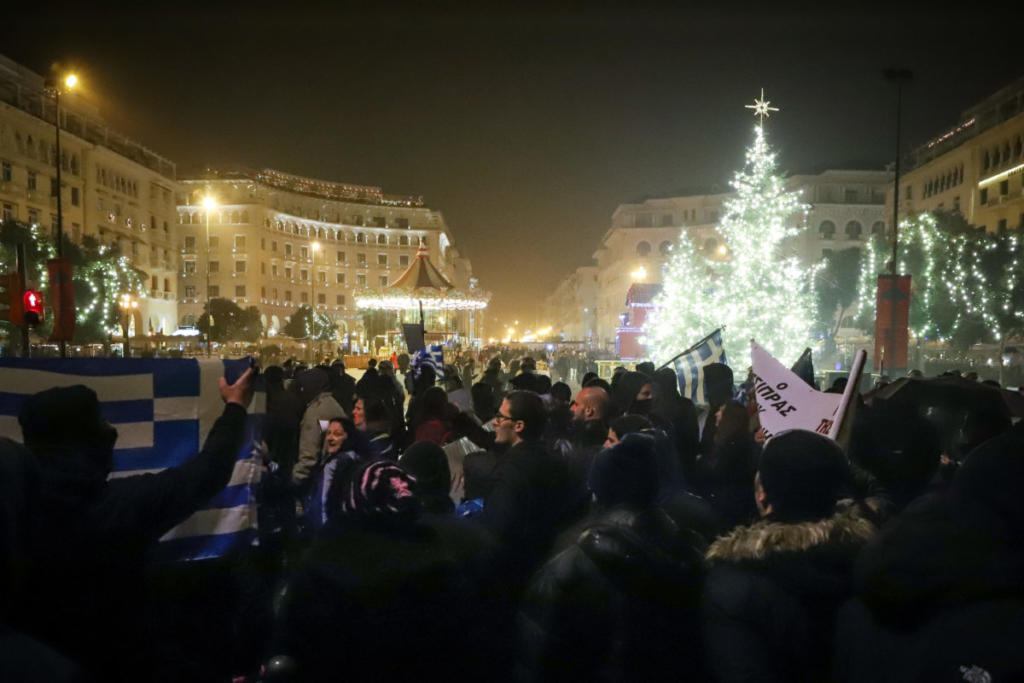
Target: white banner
784, 401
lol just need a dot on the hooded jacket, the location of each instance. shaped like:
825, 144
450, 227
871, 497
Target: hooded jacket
772, 594
321, 406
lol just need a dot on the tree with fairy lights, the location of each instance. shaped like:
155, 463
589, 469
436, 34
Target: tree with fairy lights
307, 324
760, 292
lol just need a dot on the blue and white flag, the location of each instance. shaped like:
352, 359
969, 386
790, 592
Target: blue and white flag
163, 409
432, 356
690, 366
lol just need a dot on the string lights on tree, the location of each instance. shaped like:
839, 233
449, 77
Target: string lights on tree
760, 292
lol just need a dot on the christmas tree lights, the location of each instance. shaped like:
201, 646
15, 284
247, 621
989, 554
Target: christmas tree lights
759, 292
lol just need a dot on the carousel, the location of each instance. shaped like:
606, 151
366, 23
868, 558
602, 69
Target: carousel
423, 294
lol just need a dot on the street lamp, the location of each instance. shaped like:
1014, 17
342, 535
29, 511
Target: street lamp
128, 305
69, 82
209, 204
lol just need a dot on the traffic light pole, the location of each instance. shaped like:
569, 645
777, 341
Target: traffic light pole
20, 255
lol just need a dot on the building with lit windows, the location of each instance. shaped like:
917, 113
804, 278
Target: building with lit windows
278, 241
114, 189
975, 168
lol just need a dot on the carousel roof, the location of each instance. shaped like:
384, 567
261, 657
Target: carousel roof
422, 284
421, 274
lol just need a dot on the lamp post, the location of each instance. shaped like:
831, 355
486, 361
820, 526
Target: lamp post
209, 204
314, 248
128, 306
899, 77
69, 82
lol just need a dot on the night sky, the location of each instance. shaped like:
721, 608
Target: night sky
526, 127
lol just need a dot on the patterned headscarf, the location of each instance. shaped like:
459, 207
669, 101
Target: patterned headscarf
381, 489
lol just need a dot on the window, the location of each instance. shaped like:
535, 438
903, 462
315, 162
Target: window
239, 266
425, 240
983, 195
190, 267
263, 268
263, 292
304, 252
853, 230
31, 180
273, 293
1001, 226
75, 198
403, 240
360, 280
303, 274
33, 216
339, 278
190, 244
383, 280
850, 196
360, 238
382, 239
240, 290
382, 259
287, 250
321, 298
357, 220
341, 257
8, 212
214, 266
239, 241
361, 259
190, 292
643, 248
403, 260
827, 230
643, 220
878, 228
304, 297
666, 220
214, 242
1004, 188
288, 295
273, 270
273, 245
322, 278
167, 285
956, 203
403, 223
340, 299
214, 290
380, 222
288, 273
7, 172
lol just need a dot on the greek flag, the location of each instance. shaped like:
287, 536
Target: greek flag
432, 356
690, 366
163, 409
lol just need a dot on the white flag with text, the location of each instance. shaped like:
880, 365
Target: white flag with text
784, 401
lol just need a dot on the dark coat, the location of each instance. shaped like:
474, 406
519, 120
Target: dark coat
86, 593
940, 598
482, 471
726, 479
772, 595
620, 604
380, 601
526, 509
343, 389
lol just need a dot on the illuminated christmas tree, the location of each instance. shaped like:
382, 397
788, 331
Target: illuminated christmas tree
760, 291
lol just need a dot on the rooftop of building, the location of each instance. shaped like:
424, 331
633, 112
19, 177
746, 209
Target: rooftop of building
25, 90
999, 107
310, 187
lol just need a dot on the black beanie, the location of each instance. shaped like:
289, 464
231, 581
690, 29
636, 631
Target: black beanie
60, 417
802, 474
626, 473
427, 462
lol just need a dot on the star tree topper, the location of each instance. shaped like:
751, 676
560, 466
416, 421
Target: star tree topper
761, 108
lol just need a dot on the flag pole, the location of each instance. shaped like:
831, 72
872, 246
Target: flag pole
679, 355
852, 384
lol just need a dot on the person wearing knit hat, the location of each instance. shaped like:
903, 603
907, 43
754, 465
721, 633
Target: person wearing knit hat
380, 490
777, 585
620, 602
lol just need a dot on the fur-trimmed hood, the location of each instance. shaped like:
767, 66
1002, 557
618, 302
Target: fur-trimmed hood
846, 530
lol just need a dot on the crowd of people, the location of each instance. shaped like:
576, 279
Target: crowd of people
496, 525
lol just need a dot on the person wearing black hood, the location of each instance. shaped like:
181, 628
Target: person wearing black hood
343, 386
85, 595
22, 658
677, 415
632, 393
368, 384
940, 591
775, 587
621, 603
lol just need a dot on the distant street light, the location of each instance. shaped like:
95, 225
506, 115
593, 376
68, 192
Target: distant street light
209, 204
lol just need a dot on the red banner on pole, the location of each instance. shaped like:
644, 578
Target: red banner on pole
62, 294
891, 321
14, 291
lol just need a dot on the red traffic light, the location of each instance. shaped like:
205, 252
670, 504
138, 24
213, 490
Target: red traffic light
33, 307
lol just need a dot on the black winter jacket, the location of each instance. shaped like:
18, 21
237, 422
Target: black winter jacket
85, 595
772, 594
619, 604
